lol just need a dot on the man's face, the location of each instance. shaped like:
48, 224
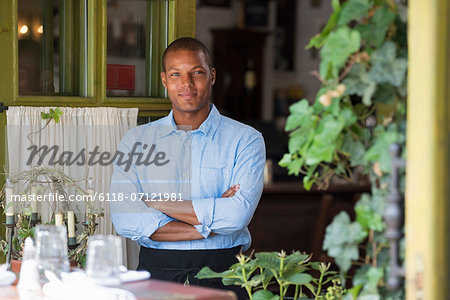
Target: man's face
188, 80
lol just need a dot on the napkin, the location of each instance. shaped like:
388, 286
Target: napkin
6, 277
77, 285
130, 276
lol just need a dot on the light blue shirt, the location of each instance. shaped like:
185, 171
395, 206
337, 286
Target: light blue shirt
198, 165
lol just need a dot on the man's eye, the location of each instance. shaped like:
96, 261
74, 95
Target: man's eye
198, 72
175, 74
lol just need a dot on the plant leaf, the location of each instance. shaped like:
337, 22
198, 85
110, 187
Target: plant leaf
341, 240
353, 10
339, 45
386, 68
264, 295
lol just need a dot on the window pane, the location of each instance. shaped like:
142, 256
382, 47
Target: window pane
48, 58
126, 48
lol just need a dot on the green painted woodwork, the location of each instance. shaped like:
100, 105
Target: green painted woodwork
47, 48
82, 49
66, 47
8, 77
427, 191
157, 38
100, 53
90, 48
8, 54
185, 18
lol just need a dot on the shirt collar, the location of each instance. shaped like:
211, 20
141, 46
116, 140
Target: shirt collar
208, 127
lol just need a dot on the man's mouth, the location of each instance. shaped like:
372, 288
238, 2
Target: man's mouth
187, 96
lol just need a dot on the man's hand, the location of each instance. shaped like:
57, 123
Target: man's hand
232, 190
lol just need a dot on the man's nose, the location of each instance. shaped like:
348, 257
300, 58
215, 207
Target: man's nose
187, 80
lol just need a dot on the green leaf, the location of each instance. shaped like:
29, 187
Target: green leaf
318, 40
52, 114
296, 258
268, 260
349, 117
300, 113
298, 138
232, 281
324, 143
385, 93
8, 206
27, 211
379, 151
339, 45
285, 161
366, 216
295, 166
354, 291
299, 279
358, 82
386, 68
206, 272
265, 277
355, 149
341, 241
375, 32
367, 95
308, 182
353, 10
370, 288
264, 295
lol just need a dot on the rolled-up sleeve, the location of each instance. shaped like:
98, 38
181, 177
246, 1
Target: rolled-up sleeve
227, 215
130, 216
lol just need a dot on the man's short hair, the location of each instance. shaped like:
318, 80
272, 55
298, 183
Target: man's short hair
190, 44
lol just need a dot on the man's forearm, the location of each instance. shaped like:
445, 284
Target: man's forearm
179, 210
176, 231
184, 210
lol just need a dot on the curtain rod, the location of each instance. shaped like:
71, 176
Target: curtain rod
3, 107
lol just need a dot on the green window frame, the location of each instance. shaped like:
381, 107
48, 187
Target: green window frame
169, 20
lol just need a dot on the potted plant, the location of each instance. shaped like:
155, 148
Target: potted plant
268, 270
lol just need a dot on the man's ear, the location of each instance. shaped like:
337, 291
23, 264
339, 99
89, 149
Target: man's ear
213, 75
163, 79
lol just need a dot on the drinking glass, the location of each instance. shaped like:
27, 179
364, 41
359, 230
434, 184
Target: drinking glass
104, 258
51, 251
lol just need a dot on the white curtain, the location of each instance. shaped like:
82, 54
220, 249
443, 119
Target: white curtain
79, 128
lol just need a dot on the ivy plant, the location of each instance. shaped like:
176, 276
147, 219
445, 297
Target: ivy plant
358, 112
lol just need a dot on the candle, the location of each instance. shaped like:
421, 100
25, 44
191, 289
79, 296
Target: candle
71, 224
9, 204
58, 219
34, 203
91, 195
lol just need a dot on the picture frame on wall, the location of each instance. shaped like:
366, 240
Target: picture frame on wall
215, 3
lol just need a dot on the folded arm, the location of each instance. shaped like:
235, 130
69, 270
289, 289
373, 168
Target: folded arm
184, 230
184, 210
233, 211
176, 231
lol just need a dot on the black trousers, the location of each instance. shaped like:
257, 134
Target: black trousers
182, 266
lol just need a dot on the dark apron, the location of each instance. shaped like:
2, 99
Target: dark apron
182, 266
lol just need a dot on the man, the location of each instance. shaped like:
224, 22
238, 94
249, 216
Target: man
213, 164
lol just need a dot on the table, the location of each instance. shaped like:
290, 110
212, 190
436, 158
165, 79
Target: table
150, 289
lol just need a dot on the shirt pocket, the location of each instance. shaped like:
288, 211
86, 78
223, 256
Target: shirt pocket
214, 181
